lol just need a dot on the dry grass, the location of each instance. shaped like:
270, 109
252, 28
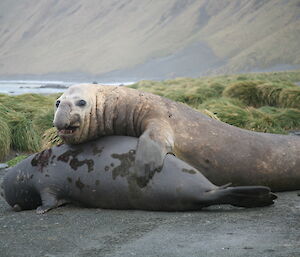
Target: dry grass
23, 120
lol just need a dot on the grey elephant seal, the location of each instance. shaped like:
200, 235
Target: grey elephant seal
99, 174
222, 152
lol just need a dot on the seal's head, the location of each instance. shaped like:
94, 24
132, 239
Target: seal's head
73, 109
18, 190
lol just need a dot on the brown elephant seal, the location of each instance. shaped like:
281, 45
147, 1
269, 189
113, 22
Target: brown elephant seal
99, 174
221, 151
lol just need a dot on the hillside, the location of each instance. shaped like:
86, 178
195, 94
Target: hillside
147, 39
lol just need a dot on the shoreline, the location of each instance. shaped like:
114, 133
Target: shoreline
17, 87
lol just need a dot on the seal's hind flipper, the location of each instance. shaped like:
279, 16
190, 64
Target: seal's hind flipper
17, 207
247, 196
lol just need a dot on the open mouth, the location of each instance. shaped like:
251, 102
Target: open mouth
68, 131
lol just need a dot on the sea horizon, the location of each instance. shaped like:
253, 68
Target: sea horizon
17, 87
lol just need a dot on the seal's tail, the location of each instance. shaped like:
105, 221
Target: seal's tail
247, 196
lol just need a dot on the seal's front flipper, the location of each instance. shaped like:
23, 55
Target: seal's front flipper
245, 196
153, 145
149, 157
49, 201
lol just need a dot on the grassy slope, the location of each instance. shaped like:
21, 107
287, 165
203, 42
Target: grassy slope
92, 36
267, 102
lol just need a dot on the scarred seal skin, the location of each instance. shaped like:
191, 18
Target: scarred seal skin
222, 152
100, 174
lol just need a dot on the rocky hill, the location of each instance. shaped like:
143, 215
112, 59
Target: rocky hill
133, 39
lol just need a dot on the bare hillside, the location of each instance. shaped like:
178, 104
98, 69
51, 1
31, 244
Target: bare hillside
134, 38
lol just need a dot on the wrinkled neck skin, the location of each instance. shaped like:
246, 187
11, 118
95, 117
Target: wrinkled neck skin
120, 113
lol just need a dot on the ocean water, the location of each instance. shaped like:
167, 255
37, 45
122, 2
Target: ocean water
17, 87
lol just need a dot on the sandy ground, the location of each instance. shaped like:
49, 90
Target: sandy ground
218, 231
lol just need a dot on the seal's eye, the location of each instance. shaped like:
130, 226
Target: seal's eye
81, 103
57, 103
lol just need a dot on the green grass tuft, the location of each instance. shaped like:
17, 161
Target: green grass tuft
285, 118
28, 104
16, 160
260, 93
246, 91
43, 120
25, 137
27, 117
5, 139
263, 122
228, 110
290, 97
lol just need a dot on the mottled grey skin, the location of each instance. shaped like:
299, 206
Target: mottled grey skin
100, 174
222, 152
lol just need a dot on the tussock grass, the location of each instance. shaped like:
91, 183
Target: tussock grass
263, 122
290, 97
286, 118
5, 138
43, 120
23, 135
223, 80
260, 93
186, 90
235, 113
25, 138
24, 118
268, 93
246, 91
264, 119
28, 104
228, 110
